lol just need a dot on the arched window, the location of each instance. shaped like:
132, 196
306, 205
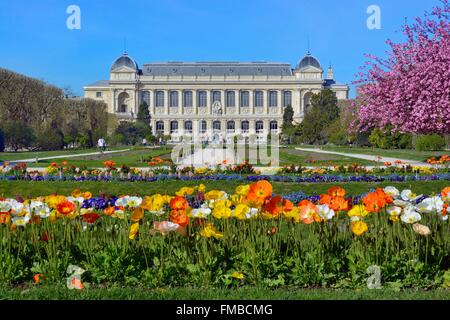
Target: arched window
203, 126
159, 127
159, 99
216, 96
216, 125
287, 98
273, 99
230, 126
122, 101
187, 99
307, 101
273, 126
188, 126
245, 99
145, 97
173, 99
245, 126
202, 99
230, 99
259, 99
259, 126
173, 126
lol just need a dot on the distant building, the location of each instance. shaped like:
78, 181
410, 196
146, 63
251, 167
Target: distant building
213, 99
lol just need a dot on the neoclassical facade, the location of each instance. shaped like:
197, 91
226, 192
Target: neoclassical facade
213, 100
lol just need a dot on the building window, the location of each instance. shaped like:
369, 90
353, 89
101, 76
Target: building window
216, 125
273, 99
216, 96
145, 97
245, 126
122, 102
230, 99
273, 126
202, 99
259, 126
259, 99
188, 126
98, 94
230, 126
245, 99
173, 99
287, 98
187, 97
159, 99
203, 126
307, 101
159, 127
173, 126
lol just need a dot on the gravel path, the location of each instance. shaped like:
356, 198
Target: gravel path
69, 156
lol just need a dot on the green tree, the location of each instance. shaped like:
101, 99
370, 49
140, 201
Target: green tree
129, 132
2, 141
18, 135
143, 127
324, 111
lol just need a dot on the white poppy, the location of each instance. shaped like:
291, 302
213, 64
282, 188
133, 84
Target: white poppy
401, 203
251, 213
410, 215
80, 200
392, 191
431, 205
5, 206
408, 195
21, 221
201, 212
394, 210
134, 202
325, 212
122, 202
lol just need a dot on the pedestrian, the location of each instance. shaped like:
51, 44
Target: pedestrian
101, 144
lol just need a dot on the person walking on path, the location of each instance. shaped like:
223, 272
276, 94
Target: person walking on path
101, 144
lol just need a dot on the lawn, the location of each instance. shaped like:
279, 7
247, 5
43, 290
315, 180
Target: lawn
38, 188
14, 156
247, 293
135, 157
292, 156
407, 154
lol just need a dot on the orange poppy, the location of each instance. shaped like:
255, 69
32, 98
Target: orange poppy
65, 207
308, 212
5, 218
138, 214
336, 191
373, 202
261, 189
109, 210
339, 204
445, 192
278, 205
325, 199
179, 217
178, 203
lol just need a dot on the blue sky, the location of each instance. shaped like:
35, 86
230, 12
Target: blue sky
35, 40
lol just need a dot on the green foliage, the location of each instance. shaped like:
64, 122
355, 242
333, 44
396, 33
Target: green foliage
388, 139
432, 142
337, 134
324, 111
288, 118
128, 131
18, 135
50, 139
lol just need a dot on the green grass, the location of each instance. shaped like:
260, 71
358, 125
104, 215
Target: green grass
38, 188
132, 158
248, 293
14, 156
406, 154
292, 156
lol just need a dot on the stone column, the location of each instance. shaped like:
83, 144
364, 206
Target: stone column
166, 102
194, 102
166, 127
279, 101
265, 101
251, 101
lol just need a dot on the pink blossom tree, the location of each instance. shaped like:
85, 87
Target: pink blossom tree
410, 89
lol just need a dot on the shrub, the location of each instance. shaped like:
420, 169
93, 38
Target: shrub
432, 142
18, 135
388, 139
50, 139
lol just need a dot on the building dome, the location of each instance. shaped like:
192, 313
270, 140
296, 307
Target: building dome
124, 61
308, 61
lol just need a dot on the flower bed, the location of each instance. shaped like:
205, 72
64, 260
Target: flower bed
210, 238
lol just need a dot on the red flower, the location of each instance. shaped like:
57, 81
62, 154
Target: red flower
65, 207
90, 217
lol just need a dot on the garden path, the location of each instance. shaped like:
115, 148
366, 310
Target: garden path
367, 157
